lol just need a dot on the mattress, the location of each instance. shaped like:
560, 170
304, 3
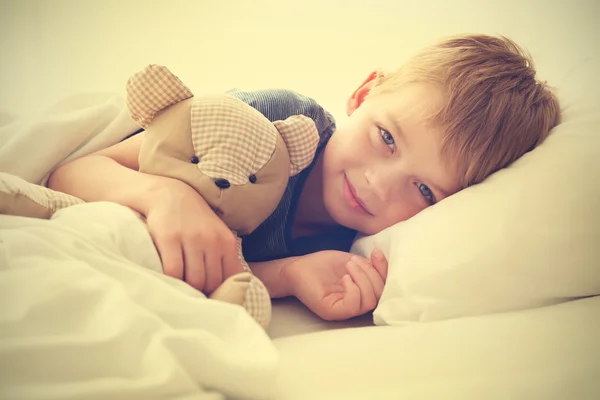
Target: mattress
291, 317
546, 353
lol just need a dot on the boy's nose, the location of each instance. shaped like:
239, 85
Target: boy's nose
385, 182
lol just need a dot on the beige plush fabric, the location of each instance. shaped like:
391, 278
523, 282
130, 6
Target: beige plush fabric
301, 139
201, 140
257, 300
19, 197
17, 204
231, 141
152, 90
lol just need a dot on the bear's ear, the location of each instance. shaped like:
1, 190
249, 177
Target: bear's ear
301, 138
152, 90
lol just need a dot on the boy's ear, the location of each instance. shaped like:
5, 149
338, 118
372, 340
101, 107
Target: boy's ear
357, 98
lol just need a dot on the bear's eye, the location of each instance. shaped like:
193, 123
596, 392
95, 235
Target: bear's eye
195, 160
252, 178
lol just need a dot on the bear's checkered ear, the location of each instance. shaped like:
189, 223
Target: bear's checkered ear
152, 90
301, 138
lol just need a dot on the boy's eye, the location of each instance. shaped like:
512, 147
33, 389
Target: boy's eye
426, 193
388, 139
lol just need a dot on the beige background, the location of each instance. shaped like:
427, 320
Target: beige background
323, 48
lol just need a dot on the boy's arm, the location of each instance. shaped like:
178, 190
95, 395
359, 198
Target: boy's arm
111, 175
193, 242
335, 285
272, 274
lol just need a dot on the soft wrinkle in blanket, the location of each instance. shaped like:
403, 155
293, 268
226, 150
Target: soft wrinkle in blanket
85, 311
76, 126
83, 315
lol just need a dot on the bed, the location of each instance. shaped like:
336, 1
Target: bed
494, 293
77, 322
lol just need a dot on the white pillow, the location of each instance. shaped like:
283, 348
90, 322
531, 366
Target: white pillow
528, 236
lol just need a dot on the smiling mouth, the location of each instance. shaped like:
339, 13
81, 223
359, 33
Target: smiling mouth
352, 199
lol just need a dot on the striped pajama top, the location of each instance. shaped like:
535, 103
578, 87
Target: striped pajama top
273, 239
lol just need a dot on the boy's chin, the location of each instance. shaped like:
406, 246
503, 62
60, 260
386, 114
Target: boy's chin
359, 224
346, 219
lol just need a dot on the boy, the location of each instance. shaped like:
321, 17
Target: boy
447, 119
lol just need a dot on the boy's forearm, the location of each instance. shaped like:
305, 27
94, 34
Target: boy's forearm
272, 274
100, 178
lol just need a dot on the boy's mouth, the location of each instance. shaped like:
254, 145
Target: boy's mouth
352, 198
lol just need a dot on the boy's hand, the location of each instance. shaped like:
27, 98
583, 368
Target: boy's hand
194, 244
337, 285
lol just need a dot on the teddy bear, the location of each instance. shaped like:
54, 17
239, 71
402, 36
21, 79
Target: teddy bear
231, 154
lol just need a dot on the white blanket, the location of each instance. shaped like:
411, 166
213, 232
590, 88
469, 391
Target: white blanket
31, 148
84, 309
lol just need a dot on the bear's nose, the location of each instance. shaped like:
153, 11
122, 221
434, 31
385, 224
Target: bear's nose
222, 183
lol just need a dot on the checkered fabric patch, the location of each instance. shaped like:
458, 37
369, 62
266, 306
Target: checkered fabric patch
152, 90
41, 195
301, 138
231, 139
258, 300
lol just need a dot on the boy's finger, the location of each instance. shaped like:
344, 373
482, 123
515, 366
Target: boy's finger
231, 263
194, 267
351, 302
171, 258
368, 301
380, 263
213, 270
374, 276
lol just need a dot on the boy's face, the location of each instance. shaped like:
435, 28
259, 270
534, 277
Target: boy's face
384, 165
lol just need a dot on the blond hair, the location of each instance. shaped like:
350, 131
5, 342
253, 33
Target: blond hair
495, 110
